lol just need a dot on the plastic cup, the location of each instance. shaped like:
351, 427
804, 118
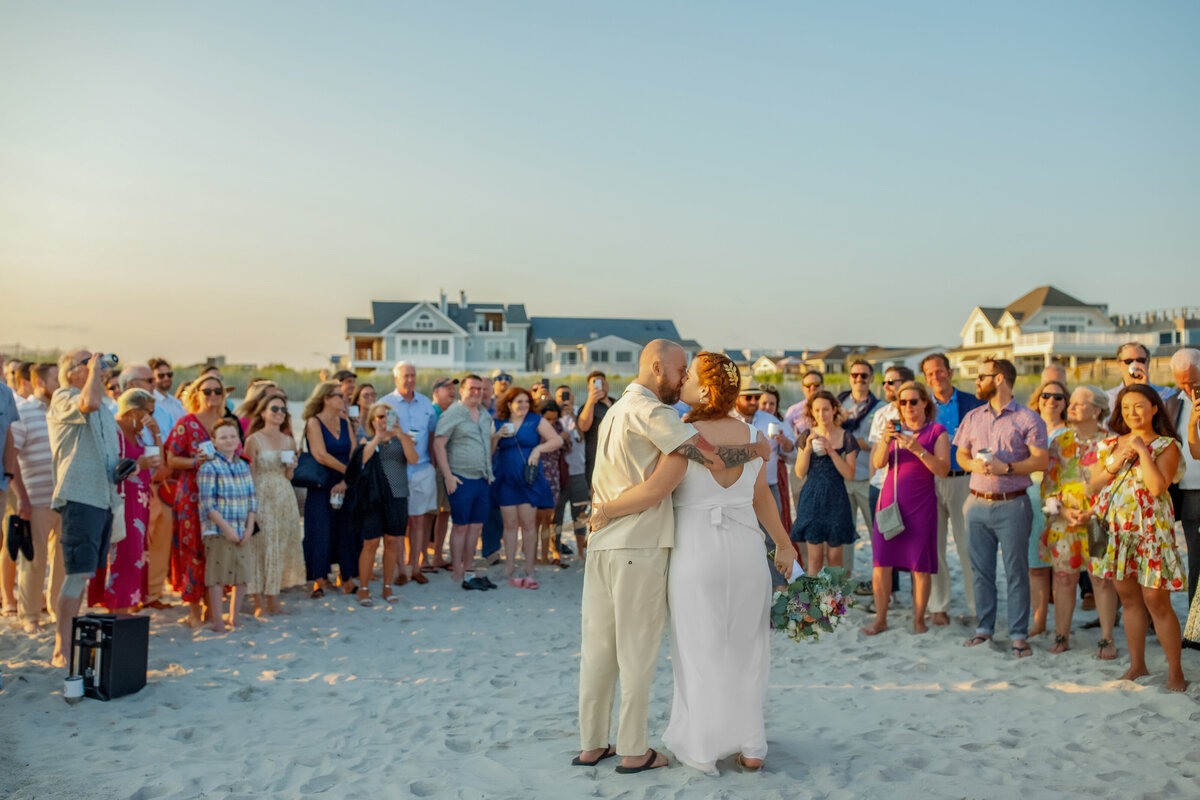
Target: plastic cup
507, 429
208, 449
772, 429
151, 450
336, 500
819, 448
288, 457
985, 455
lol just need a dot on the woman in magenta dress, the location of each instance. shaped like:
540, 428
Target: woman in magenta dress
126, 586
912, 456
205, 400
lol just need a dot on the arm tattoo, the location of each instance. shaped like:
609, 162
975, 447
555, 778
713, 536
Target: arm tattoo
692, 453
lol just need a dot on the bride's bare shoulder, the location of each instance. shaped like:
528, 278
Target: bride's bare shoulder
724, 431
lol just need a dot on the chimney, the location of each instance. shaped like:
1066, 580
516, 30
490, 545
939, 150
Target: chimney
462, 299
442, 300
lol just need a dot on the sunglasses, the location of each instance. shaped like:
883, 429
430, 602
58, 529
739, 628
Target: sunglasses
892, 382
985, 375
813, 385
911, 401
1053, 396
502, 378
866, 376
277, 409
211, 392
1128, 361
162, 375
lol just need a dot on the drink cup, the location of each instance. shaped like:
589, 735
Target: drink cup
985, 455
353, 412
336, 500
772, 429
507, 429
818, 447
208, 449
152, 450
73, 689
288, 457
1052, 507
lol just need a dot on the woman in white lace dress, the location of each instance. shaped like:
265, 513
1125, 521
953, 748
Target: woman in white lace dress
719, 586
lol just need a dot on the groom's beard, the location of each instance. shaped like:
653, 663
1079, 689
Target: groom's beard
668, 394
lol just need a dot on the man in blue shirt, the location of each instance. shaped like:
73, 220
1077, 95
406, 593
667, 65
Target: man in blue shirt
952, 491
419, 420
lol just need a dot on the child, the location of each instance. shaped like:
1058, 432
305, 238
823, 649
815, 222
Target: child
227, 508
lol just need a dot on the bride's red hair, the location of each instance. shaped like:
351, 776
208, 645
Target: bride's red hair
717, 373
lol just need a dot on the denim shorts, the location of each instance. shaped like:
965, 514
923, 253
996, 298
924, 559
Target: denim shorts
471, 501
86, 531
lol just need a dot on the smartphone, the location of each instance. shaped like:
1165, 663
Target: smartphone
896, 425
597, 383
393, 419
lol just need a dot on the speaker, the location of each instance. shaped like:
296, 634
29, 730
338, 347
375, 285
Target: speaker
110, 652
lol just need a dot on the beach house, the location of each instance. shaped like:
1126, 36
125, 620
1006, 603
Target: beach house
577, 345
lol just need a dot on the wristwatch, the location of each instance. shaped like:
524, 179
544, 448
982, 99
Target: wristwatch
1008, 469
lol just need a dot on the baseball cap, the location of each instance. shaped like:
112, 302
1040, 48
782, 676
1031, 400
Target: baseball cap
440, 382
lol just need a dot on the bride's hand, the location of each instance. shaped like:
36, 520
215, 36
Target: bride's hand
783, 561
598, 519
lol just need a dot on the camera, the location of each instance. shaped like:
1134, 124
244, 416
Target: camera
109, 361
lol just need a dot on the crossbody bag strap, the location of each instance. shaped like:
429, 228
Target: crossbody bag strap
1117, 485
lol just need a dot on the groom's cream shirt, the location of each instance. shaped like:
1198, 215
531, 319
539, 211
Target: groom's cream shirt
634, 434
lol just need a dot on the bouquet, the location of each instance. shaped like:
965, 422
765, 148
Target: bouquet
812, 604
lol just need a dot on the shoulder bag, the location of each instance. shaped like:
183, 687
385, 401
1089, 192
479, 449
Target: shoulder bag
309, 473
888, 521
1098, 527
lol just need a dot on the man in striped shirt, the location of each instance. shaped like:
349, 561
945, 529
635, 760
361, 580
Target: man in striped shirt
31, 438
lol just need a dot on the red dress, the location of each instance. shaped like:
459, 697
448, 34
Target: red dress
187, 551
121, 580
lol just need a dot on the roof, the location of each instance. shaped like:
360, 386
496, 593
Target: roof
384, 314
993, 314
1040, 297
641, 331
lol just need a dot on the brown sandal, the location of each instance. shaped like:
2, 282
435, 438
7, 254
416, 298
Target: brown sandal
364, 599
419, 578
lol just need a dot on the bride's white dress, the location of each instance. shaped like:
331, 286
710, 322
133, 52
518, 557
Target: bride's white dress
719, 590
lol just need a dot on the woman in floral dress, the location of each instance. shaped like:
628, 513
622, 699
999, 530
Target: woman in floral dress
1133, 471
205, 400
1063, 543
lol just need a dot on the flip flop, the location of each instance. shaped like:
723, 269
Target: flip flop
579, 762
1017, 651
975, 640
648, 764
516, 583
529, 583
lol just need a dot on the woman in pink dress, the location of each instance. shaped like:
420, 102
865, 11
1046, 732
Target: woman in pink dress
126, 585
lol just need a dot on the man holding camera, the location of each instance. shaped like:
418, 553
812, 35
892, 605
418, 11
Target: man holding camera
1134, 361
84, 447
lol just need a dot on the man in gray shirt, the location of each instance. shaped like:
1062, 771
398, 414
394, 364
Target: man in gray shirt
462, 449
83, 442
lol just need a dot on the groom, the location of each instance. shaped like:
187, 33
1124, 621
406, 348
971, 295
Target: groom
625, 574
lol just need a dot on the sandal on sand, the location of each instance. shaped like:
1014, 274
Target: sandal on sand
651, 757
976, 640
741, 762
419, 578
1022, 652
364, 599
387, 595
516, 583
609, 753
1101, 645
317, 592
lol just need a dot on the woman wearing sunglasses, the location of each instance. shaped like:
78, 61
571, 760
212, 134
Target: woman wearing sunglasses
278, 556
188, 446
1050, 402
918, 449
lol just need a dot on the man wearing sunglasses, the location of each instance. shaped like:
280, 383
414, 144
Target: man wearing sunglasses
167, 411
953, 490
859, 405
1000, 443
1133, 359
797, 421
501, 381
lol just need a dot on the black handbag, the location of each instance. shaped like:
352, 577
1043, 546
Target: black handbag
1098, 527
531, 473
309, 473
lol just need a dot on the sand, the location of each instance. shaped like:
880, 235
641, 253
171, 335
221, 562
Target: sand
455, 694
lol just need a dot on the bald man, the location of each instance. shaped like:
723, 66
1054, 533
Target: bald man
625, 574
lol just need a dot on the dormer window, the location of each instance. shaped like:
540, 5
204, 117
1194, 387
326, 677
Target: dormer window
424, 323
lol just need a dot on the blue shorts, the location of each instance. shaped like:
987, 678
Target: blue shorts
470, 502
86, 531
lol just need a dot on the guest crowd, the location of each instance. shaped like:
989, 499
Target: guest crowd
118, 483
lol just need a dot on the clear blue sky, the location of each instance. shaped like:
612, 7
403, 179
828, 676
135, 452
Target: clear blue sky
240, 177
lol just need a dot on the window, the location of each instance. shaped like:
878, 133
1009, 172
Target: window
404, 345
489, 322
599, 355
424, 323
568, 357
501, 351
424, 346
624, 356
978, 334
1166, 337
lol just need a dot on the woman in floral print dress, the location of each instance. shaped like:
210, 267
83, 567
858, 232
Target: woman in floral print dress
1063, 543
1134, 469
206, 402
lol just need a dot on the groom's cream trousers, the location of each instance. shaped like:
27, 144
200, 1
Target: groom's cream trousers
625, 577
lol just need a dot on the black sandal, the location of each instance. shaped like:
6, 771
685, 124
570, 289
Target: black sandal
648, 764
579, 762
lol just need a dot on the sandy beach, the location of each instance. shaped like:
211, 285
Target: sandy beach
454, 694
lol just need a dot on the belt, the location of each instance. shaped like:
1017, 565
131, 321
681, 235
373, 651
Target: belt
956, 473
997, 497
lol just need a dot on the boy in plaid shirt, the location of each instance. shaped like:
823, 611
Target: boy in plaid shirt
227, 508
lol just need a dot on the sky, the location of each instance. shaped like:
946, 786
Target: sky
195, 179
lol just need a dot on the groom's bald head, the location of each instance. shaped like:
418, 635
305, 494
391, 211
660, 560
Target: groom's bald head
662, 368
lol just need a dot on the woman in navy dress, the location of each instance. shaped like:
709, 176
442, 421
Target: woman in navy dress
327, 530
520, 438
917, 452
825, 462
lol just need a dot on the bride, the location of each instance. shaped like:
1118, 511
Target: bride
718, 584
